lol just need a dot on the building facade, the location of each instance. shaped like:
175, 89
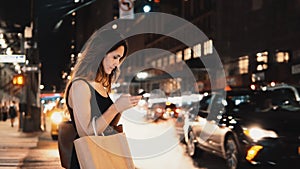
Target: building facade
253, 39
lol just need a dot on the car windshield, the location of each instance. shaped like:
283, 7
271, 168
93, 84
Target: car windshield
283, 99
281, 96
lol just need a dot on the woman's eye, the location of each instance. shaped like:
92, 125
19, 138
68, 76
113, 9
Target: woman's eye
116, 57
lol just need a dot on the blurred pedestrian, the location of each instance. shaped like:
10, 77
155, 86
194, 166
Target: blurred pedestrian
4, 110
12, 113
87, 93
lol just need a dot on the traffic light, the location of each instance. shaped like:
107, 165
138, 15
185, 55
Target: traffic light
19, 80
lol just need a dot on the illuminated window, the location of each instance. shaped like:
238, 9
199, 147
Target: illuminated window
159, 63
262, 59
171, 59
165, 61
208, 47
282, 57
197, 50
153, 63
243, 64
187, 53
179, 56
261, 67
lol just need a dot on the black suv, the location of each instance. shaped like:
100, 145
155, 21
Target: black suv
247, 128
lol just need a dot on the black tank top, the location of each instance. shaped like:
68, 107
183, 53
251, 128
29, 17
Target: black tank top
99, 105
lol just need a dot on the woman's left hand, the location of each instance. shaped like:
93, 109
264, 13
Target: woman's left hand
126, 101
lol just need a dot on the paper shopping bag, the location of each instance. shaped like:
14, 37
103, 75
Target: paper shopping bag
104, 152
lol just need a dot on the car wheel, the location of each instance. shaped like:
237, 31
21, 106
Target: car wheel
232, 156
192, 150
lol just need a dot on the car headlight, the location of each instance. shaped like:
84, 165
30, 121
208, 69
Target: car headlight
57, 117
259, 133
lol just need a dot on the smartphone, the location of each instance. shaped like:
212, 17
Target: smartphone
141, 93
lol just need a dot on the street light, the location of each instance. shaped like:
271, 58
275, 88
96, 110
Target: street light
147, 8
19, 80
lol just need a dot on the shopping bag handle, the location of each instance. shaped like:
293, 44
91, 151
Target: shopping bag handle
94, 126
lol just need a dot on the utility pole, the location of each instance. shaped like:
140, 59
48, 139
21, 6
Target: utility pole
32, 118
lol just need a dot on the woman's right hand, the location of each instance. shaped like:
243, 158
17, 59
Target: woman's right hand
126, 101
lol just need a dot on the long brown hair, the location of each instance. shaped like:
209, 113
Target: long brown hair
89, 64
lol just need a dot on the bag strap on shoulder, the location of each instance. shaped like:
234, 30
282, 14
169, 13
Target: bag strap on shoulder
67, 98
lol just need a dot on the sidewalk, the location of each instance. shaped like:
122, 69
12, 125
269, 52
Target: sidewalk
15, 145
11, 137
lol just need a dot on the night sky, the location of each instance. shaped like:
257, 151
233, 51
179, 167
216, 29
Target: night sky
54, 45
53, 55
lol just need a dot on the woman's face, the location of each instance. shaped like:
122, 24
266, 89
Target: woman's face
112, 59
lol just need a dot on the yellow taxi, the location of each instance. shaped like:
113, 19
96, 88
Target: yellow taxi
58, 115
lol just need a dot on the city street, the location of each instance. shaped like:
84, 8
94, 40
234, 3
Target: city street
38, 150
228, 70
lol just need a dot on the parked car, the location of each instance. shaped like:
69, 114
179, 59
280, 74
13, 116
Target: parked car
247, 128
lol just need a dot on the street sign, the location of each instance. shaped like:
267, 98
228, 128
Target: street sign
30, 68
126, 8
12, 58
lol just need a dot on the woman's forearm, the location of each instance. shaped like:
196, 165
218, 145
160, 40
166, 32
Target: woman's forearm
111, 116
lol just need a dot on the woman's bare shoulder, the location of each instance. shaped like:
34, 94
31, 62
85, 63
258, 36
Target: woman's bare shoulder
80, 84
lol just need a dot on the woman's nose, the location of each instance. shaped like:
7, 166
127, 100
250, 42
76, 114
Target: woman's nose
116, 63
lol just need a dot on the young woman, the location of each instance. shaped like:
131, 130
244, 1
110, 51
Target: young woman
87, 94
